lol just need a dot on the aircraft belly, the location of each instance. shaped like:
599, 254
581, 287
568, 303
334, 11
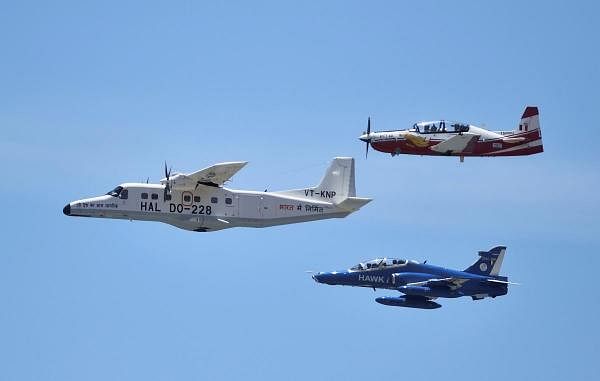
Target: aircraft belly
274, 221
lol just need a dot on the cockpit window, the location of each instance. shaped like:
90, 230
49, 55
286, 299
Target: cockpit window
115, 192
460, 127
124, 194
440, 126
379, 263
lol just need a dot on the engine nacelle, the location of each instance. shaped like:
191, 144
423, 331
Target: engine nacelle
403, 301
179, 182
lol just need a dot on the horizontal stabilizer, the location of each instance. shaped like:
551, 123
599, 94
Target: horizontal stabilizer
352, 204
513, 140
502, 282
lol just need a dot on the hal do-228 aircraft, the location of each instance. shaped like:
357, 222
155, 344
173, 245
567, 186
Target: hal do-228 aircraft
438, 138
422, 283
199, 201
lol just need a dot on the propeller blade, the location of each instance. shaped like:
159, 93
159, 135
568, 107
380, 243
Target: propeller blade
167, 190
368, 134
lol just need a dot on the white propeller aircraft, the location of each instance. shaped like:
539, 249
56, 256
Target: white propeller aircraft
199, 202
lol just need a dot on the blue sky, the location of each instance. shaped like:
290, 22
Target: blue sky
92, 95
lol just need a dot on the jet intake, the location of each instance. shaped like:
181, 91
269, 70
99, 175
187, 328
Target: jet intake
406, 301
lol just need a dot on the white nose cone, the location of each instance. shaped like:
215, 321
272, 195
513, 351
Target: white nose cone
364, 137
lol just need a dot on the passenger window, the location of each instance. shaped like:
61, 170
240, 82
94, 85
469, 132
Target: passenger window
196, 198
187, 198
167, 197
124, 194
144, 196
214, 200
155, 196
228, 201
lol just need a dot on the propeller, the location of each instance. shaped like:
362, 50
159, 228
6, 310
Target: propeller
168, 183
367, 140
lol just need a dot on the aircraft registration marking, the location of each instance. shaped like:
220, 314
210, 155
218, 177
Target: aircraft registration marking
322, 194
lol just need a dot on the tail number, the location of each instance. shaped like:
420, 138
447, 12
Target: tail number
322, 194
196, 209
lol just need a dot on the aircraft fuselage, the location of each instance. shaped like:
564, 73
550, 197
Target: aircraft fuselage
494, 144
207, 208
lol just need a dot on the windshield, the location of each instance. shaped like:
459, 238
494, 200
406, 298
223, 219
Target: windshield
115, 192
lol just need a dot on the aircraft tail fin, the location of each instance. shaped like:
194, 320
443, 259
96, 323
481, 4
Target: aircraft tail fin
336, 185
489, 262
338, 181
530, 120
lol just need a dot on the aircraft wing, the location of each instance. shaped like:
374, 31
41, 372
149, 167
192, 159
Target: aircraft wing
216, 174
458, 143
452, 282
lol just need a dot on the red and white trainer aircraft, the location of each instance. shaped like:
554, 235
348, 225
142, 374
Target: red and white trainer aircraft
442, 137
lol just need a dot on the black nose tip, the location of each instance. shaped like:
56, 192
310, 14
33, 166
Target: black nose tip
67, 210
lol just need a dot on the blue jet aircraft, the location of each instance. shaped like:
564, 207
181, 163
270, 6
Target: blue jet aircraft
421, 283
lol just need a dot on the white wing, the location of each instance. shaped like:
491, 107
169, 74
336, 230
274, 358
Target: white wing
452, 282
457, 143
217, 174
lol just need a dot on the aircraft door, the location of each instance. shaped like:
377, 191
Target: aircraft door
231, 204
264, 207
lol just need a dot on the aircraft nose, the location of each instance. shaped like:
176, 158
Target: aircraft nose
321, 277
67, 210
365, 138
326, 278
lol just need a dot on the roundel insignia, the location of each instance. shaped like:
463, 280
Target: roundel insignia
483, 266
